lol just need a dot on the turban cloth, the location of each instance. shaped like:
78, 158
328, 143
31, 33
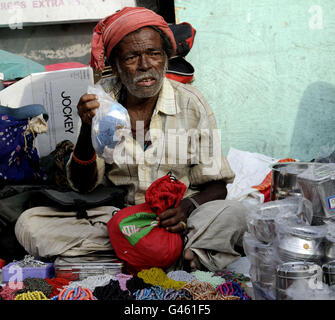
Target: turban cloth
112, 29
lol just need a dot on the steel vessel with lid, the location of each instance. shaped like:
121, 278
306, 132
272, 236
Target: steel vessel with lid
261, 218
329, 244
328, 273
284, 179
317, 184
296, 273
300, 242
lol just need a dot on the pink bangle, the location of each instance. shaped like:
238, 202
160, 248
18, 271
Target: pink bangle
84, 162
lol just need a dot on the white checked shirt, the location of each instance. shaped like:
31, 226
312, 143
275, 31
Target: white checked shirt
184, 141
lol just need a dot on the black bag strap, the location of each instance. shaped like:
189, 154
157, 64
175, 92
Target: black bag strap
80, 208
14, 199
79, 202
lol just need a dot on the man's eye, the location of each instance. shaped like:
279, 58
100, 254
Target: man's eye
130, 58
156, 53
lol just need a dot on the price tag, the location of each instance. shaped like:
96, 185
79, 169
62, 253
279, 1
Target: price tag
331, 203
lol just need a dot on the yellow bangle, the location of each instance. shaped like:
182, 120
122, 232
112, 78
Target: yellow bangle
31, 295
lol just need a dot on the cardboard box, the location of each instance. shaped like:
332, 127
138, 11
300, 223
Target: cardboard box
59, 92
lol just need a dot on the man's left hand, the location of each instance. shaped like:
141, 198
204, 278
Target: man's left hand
175, 219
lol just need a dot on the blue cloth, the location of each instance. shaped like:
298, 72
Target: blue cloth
25, 112
105, 124
19, 160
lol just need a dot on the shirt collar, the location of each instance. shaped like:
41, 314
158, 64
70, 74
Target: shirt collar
166, 102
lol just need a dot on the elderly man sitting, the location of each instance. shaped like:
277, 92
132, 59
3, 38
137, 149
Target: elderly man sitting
137, 43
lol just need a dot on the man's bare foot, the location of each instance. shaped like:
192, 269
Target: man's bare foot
192, 260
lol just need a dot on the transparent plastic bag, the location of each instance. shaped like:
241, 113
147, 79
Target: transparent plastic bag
262, 266
110, 123
256, 251
261, 258
263, 291
330, 241
261, 218
297, 280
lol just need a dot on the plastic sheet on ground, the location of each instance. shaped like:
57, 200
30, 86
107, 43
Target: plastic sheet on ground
250, 169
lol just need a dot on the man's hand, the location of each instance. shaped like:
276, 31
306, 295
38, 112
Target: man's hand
174, 219
87, 106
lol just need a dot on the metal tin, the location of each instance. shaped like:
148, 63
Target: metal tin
329, 244
318, 185
301, 243
328, 273
261, 219
293, 272
284, 179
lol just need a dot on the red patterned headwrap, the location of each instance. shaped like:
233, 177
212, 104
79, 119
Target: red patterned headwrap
112, 29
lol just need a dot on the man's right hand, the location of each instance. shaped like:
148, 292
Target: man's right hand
87, 107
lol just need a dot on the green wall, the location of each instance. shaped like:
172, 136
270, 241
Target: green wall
267, 68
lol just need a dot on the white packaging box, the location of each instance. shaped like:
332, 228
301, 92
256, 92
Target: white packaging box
59, 93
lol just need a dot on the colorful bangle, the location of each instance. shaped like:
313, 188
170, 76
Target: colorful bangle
78, 293
31, 295
87, 162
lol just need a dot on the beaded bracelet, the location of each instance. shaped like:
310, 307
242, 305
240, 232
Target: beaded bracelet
78, 293
31, 295
232, 289
157, 277
82, 162
205, 291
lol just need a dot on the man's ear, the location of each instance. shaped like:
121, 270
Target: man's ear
110, 69
114, 70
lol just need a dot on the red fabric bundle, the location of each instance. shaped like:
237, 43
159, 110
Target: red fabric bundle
57, 285
135, 233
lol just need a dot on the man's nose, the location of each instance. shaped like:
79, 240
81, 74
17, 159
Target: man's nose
144, 62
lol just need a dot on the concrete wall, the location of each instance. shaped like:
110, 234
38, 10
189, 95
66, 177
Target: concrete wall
50, 44
267, 68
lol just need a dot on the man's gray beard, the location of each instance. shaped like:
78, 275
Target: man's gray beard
131, 86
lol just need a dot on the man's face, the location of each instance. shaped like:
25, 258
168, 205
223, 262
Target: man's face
141, 63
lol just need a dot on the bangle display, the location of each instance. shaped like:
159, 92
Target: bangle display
82, 162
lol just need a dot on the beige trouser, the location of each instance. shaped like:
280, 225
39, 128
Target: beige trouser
47, 232
214, 229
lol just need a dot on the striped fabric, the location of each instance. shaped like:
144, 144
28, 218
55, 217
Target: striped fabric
184, 141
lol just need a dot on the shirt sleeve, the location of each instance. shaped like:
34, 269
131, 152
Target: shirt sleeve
211, 164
